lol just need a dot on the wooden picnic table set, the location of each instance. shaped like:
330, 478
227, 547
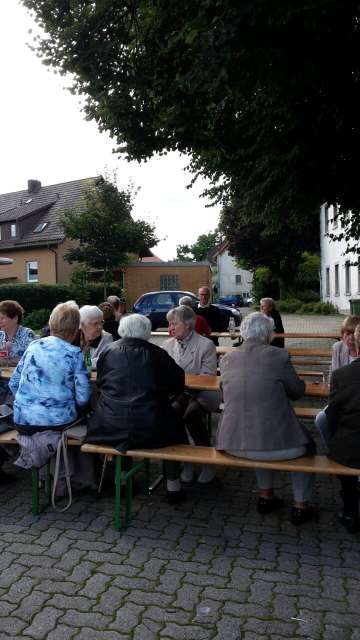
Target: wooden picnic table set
140, 459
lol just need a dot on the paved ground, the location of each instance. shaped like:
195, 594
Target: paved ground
210, 569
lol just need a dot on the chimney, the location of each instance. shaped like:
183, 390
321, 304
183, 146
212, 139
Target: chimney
34, 186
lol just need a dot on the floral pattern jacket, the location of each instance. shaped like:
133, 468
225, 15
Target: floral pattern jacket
20, 341
50, 383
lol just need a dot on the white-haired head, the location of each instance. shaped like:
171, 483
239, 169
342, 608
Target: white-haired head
135, 326
182, 314
186, 301
257, 325
90, 313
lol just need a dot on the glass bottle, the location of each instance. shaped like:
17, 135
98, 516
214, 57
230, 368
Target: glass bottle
231, 326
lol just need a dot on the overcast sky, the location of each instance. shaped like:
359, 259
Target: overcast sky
43, 135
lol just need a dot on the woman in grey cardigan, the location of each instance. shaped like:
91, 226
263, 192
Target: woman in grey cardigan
258, 421
93, 338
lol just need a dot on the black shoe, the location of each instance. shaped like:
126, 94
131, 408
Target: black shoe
300, 516
6, 478
351, 524
267, 505
175, 497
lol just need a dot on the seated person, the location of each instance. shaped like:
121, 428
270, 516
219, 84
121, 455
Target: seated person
267, 307
210, 312
111, 325
343, 353
201, 326
50, 383
194, 354
93, 339
118, 305
258, 421
342, 415
134, 384
14, 340
51, 387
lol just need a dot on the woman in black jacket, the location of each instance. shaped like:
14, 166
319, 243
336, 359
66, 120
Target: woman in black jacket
136, 381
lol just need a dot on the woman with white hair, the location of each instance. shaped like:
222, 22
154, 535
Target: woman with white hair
135, 383
201, 325
194, 354
258, 421
93, 339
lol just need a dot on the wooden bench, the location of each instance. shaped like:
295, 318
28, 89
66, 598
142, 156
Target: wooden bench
203, 455
293, 351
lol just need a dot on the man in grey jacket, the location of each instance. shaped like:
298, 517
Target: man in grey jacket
258, 421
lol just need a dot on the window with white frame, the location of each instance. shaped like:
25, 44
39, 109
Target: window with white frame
347, 278
327, 282
169, 282
32, 273
13, 230
238, 278
336, 217
337, 287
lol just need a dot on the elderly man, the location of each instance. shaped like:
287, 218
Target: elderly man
194, 354
259, 422
267, 307
208, 311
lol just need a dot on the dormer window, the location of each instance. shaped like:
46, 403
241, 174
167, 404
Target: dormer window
13, 230
40, 227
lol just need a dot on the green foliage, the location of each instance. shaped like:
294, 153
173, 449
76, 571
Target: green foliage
264, 95
200, 249
45, 296
37, 319
297, 306
263, 284
105, 230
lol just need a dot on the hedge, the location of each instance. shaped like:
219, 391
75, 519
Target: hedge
297, 306
46, 296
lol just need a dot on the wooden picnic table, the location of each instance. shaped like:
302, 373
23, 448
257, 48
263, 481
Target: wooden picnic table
226, 334
294, 351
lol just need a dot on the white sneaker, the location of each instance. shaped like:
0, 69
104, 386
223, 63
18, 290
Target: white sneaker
187, 474
207, 474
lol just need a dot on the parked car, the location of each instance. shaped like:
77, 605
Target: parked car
235, 300
156, 304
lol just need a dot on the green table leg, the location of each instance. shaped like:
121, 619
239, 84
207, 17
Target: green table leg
118, 493
35, 491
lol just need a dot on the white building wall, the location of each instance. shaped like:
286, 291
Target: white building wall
231, 278
334, 259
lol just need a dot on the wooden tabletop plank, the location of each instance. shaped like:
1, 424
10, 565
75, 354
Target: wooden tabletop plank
226, 334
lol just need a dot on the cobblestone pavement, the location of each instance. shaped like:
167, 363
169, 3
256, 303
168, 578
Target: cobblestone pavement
212, 568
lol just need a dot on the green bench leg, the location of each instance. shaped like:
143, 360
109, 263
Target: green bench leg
118, 493
135, 467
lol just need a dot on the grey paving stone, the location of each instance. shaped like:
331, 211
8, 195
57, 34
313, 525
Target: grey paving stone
228, 628
271, 627
176, 632
19, 589
43, 623
111, 600
95, 585
31, 604
80, 619
11, 574
187, 597
87, 633
62, 632
55, 586
129, 583
64, 602
6, 608
332, 632
168, 614
145, 598
11, 625
127, 618
169, 582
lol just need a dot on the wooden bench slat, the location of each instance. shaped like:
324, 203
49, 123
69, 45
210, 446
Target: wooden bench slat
208, 455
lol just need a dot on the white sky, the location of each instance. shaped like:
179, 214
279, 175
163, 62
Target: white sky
43, 136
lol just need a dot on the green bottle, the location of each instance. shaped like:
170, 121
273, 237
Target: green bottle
87, 358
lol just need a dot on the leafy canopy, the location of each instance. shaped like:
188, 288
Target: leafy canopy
263, 95
105, 229
200, 249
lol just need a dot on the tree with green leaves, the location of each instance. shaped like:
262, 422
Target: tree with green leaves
105, 231
255, 244
263, 95
200, 249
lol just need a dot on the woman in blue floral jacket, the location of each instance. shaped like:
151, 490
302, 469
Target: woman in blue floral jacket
50, 383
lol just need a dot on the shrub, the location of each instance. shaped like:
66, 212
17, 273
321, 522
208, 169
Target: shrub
45, 296
37, 319
288, 306
296, 306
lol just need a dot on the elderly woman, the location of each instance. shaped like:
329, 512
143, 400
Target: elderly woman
343, 424
194, 354
93, 338
258, 420
201, 326
111, 325
14, 338
135, 382
50, 383
344, 352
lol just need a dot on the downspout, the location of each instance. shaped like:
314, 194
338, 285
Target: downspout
56, 263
